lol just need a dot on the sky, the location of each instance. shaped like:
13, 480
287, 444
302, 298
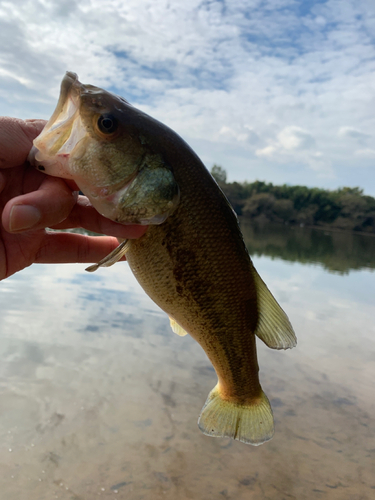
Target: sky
281, 91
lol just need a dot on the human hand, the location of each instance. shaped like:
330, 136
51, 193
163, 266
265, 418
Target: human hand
31, 201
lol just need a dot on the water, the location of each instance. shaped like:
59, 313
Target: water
99, 399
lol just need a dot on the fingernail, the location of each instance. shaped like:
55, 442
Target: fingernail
23, 217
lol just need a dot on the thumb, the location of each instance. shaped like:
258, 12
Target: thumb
16, 138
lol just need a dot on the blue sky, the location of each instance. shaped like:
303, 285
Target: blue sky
274, 90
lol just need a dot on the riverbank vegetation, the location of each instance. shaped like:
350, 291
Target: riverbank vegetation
344, 208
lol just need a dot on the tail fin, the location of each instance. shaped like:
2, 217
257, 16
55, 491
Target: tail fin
251, 423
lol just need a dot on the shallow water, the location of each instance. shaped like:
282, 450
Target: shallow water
100, 399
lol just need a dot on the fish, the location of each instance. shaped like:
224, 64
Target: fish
192, 261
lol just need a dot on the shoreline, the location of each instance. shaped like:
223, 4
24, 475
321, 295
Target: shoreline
303, 226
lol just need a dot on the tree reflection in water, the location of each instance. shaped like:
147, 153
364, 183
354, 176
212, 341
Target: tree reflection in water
337, 251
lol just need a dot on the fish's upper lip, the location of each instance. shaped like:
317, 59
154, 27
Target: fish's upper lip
70, 80
65, 129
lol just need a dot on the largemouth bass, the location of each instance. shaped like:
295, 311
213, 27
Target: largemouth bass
192, 261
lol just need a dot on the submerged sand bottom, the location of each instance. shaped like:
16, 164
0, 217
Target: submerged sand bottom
99, 399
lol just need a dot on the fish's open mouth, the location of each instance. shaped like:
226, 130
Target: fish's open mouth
63, 131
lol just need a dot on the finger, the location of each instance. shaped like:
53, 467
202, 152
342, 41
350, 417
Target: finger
46, 207
16, 138
69, 248
84, 215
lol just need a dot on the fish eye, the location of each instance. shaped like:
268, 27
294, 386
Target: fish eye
107, 124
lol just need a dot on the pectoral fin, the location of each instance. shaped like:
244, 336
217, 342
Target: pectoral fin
273, 326
176, 328
111, 258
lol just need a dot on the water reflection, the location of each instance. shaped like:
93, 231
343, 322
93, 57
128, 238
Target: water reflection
336, 251
100, 399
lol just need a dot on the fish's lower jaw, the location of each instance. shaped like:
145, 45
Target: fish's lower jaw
250, 423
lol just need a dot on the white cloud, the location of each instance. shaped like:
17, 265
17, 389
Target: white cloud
240, 134
271, 85
366, 153
293, 143
321, 165
268, 151
291, 138
297, 146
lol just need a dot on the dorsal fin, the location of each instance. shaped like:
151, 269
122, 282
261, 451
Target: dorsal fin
273, 326
177, 328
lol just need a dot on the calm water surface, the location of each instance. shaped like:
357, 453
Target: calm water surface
100, 399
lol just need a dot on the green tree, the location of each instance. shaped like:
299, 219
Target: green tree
343, 208
219, 174
283, 210
259, 204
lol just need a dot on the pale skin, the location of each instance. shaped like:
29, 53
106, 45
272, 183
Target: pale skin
30, 202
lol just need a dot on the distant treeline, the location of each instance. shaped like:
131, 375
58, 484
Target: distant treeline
344, 208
